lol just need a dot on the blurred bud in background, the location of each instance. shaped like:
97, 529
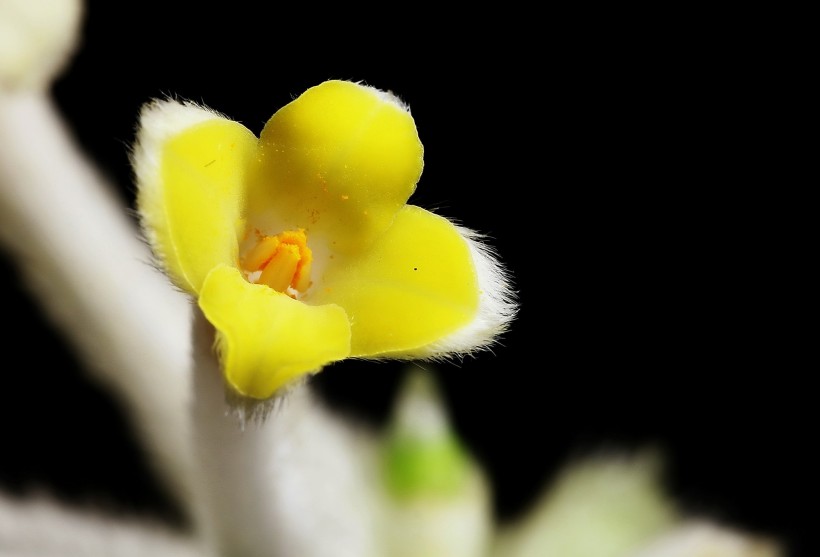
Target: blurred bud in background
437, 501
601, 507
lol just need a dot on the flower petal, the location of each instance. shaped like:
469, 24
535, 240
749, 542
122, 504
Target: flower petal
267, 339
416, 285
191, 188
339, 161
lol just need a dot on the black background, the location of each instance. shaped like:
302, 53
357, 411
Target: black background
602, 165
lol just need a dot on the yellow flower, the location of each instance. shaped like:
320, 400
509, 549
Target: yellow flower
299, 245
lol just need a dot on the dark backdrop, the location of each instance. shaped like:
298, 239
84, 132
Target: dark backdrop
599, 163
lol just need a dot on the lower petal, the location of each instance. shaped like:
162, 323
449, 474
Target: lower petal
267, 339
414, 287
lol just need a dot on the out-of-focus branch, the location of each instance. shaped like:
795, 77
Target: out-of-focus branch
39, 527
37, 39
77, 250
703, 538
80, 255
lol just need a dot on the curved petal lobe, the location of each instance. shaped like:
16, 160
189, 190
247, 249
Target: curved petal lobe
339, 161
416, 285
267, 339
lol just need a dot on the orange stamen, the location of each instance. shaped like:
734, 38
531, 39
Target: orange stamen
261, 253
278, 273
284, 261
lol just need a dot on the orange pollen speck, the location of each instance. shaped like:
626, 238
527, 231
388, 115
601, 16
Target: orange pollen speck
281, 262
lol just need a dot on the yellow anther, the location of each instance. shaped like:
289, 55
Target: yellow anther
284, 262
258, 257
281, 268
301, 279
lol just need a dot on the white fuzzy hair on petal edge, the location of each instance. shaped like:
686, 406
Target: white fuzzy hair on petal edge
496, 310
497, 303
159, 120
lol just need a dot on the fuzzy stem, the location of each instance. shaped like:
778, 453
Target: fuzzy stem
293, 483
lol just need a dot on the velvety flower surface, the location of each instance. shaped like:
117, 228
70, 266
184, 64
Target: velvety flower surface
299, 245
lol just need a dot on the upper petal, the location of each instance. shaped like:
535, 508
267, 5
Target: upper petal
339, 161
267, 339
416, 286
191, 165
